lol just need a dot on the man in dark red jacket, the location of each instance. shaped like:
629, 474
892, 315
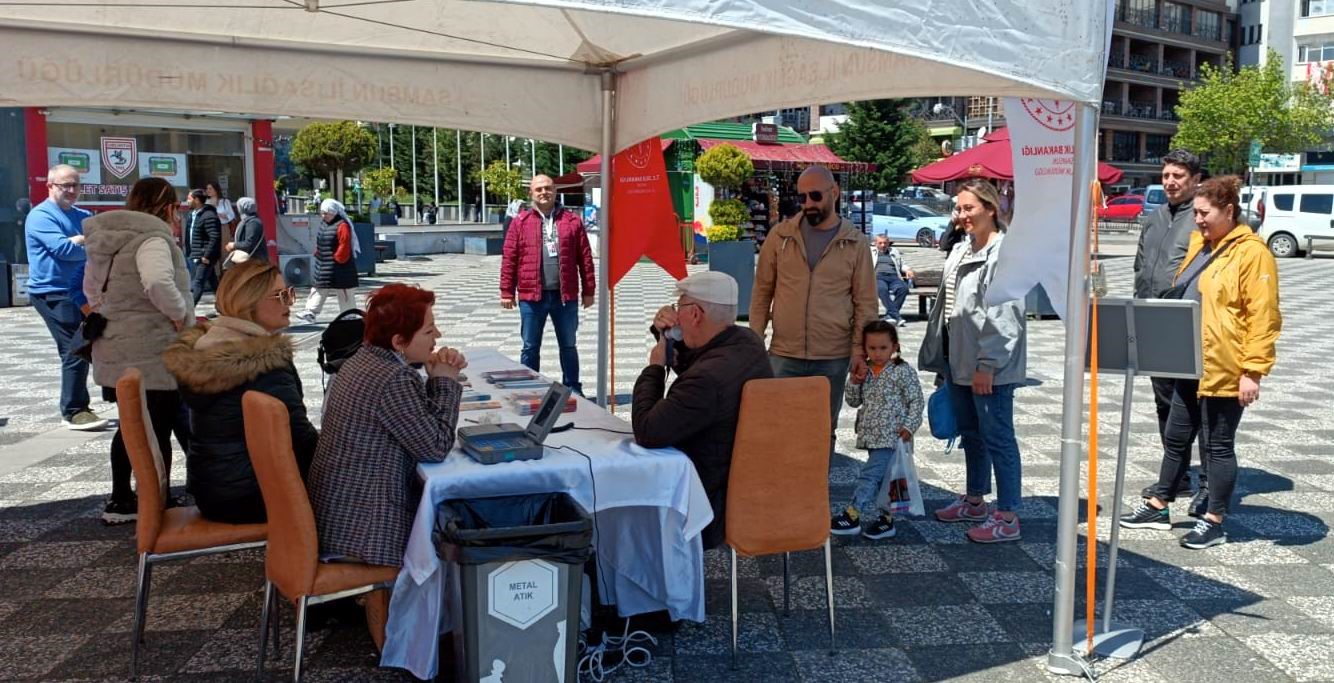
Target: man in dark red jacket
547, 259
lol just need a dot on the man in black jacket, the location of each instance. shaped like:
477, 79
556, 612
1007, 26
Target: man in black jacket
1162, 246
713, 359
205, 243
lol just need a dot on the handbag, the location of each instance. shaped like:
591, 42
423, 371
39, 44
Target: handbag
940, 415
94, 325
235, 257
1178, 289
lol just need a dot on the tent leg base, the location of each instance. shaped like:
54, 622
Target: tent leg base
1121, 642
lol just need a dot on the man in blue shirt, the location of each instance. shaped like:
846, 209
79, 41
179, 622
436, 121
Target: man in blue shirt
891, 279
54, 235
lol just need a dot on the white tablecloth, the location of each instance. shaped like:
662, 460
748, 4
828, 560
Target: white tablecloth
650, 509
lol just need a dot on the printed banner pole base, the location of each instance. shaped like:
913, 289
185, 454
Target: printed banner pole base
1119, 642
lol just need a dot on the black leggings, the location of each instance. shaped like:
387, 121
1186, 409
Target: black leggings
1214, 419
168, 415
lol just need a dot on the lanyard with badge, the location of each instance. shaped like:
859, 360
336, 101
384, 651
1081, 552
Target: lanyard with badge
549, 234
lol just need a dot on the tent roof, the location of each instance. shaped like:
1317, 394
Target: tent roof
992, 160
728, 130
476, 64
789, 157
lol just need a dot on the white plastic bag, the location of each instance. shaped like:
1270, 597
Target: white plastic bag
900, 492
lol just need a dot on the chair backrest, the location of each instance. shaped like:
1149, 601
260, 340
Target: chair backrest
293, 551
136, 429
778, 489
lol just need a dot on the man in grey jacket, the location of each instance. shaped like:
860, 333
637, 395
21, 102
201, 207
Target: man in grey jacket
1162, 246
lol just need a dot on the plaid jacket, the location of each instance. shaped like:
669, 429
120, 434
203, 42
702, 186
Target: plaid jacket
380, 420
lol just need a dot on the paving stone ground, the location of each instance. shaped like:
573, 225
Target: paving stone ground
925, 606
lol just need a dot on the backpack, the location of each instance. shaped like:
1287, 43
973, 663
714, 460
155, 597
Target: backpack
341, 339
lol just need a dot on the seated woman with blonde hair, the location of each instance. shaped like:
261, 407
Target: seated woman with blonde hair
215, 364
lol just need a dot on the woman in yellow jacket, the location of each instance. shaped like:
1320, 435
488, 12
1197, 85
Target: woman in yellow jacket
1229, 270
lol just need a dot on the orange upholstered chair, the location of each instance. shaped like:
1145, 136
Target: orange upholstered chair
164, 533
778, 488
291, 563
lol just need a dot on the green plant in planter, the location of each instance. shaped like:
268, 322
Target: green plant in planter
722, 233
725, 167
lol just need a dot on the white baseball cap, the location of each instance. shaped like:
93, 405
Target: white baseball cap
709, 286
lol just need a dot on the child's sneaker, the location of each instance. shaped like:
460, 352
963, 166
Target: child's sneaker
1204, 534
1146, 516
962, 511
845, 523
882, 527
995, 530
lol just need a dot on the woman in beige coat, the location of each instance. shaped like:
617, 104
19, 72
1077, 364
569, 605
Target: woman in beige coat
136, 279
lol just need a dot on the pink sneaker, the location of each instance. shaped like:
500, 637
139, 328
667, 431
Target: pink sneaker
962, 511
995, 530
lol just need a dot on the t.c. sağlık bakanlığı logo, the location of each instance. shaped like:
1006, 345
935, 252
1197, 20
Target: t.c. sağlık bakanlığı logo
640, 154
1057, 115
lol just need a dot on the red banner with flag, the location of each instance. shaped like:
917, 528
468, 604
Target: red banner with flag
643, 222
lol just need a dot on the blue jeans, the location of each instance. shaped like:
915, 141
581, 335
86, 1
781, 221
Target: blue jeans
533, 322
892, 292
872, 478
836, 369
62, 318
986, 428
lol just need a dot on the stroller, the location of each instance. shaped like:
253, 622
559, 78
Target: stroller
339, 342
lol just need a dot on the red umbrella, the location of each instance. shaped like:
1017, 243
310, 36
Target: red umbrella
991, 159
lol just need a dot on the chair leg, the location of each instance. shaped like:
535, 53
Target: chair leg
265, 613
276, 622
300, 638
734, 607
787, 581
829, 591
144, 580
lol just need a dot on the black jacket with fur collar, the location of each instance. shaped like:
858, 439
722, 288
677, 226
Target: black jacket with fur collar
238, 357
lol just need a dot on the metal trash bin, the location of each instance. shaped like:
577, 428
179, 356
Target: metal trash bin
518, 585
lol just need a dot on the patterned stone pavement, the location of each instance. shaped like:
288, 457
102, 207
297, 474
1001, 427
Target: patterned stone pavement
925, 606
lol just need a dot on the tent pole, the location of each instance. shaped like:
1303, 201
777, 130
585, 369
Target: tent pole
482, 143
458, 168
1062, 659
435, 154
604, 230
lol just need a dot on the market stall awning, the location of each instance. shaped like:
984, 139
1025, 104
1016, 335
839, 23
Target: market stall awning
791, 157
593, 164
989, 160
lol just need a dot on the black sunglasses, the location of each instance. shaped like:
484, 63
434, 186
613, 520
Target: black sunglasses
816, 196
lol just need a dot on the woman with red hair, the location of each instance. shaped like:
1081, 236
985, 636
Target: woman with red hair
381, 419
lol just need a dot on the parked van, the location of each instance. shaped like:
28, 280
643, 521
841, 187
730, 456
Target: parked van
1292, 213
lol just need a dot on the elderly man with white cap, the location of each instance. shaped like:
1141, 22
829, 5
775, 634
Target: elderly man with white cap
713, 359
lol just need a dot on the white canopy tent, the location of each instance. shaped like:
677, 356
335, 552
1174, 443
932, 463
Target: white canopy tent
596, 74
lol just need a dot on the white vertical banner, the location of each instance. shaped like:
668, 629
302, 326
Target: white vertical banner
1037, 246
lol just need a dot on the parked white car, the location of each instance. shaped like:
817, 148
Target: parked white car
1293, 213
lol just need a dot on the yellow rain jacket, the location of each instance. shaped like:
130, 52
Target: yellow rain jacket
1239, 312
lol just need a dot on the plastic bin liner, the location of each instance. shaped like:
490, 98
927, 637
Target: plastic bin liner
548, 526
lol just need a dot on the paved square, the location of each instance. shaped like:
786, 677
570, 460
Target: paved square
924, 606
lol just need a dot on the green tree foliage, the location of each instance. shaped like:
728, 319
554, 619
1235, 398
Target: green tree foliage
379, 182
884, 133
725, 167
326, 148
502, 181
1226, 110
728, 212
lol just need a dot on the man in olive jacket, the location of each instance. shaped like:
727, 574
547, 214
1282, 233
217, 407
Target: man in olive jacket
815, 282
1162, 245
713, 359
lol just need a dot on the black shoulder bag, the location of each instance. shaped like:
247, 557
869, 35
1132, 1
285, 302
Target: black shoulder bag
94, 324
1178, 289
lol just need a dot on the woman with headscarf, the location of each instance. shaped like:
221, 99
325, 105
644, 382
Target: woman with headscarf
336, 250
249, 242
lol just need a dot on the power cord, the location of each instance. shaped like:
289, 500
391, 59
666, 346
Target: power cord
593, 661
571, 425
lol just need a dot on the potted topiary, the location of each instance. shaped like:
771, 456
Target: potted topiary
380, 184
726, 167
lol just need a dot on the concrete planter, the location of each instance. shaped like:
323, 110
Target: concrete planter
736, 258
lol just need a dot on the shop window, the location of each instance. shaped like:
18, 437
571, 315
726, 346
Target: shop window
187, 159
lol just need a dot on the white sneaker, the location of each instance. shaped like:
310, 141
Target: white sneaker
84, 421
306, 318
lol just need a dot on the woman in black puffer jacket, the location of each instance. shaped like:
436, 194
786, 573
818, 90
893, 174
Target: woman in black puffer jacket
214, 365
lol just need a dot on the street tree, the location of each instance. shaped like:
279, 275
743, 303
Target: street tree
502, 181
1228, 109
334, 149
884, 133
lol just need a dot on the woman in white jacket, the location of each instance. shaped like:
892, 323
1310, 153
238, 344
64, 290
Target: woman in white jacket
136, 278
